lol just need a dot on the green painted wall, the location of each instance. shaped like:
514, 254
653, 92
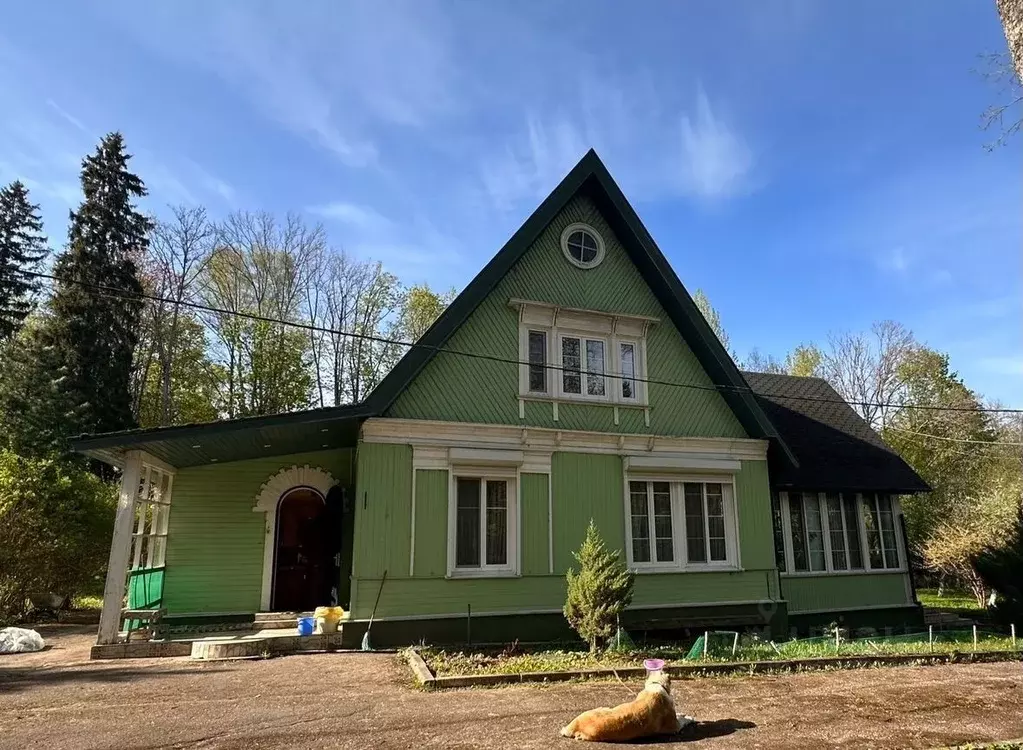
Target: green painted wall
584, 486
215, 541
810, 593
145, 588
455, 388
533, 535
383, 506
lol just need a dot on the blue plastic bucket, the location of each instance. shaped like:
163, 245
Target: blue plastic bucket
306, 625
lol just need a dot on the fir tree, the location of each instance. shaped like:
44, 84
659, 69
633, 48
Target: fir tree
598, 593
22, 247
73, 375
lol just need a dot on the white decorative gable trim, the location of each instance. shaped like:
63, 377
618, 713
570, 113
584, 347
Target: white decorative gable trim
288, 479
269, 496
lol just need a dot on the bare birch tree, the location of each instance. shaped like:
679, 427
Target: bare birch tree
864, 368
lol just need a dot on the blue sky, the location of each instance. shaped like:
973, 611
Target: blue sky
812, 166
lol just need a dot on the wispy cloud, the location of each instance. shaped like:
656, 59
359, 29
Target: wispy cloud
314, 69
361, 217
667, 152
717, 163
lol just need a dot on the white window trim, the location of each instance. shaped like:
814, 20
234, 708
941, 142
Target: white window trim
511, 475
679, 545
829, 569
555, 367
581, 227
584, 373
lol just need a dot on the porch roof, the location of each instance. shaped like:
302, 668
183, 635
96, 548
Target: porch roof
233, 439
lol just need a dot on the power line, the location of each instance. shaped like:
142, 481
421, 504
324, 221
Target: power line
952, 439
115, 293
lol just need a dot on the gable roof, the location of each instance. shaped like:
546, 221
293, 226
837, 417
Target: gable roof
835, 447
590, 177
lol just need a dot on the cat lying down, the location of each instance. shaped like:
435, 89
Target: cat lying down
652, 713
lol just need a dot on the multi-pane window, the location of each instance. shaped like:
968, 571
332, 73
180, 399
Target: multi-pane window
627, 358
575, 354
835, 531
579, 369
538, 361
680, 524
482, 521
879, 522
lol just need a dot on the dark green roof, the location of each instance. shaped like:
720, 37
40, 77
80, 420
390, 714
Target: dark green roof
232, 439
248, 438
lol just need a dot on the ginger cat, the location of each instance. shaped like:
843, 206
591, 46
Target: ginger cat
652, 713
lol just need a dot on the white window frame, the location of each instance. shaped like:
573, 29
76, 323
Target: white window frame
485, 474
584, 339
580, 227
829, 568
680, 549
612, 366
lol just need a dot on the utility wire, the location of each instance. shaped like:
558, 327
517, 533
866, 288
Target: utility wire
115, 293
952, 439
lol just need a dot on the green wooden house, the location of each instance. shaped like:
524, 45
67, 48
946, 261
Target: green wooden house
573, 379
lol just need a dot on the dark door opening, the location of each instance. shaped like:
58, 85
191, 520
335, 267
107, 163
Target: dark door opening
302, 557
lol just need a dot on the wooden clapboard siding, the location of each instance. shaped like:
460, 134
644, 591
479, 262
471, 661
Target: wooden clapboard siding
463, 389
215, 540
815, 593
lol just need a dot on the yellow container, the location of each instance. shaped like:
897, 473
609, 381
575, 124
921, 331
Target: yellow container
327, 619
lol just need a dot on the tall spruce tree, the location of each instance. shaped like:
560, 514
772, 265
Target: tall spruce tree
22, 247
95, 310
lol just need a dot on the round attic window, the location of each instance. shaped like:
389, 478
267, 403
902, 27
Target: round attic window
582, 246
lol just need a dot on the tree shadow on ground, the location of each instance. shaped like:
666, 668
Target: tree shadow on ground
12, 680
701, 730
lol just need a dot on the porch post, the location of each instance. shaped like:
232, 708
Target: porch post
120, 549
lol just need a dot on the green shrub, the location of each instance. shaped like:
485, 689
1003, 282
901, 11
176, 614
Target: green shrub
599, 593
56, 521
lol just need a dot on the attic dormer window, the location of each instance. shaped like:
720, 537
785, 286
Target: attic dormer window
582, 246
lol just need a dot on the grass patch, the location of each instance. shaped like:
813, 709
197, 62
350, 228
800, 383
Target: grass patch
959, 600
87, 601
515, 660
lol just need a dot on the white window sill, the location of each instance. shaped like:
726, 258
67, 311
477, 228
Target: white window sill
830, 573
594, 400
655, 569
481, 573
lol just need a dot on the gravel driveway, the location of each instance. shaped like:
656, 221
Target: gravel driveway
59, 699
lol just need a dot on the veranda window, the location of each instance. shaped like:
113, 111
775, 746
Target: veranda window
822, 532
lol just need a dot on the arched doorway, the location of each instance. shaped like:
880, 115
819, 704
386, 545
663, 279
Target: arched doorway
302, 559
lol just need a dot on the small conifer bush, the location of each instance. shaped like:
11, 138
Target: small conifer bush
598, 593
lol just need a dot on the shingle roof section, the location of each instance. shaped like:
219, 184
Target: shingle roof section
835, 447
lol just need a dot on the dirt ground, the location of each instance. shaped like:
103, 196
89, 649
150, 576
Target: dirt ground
59, 699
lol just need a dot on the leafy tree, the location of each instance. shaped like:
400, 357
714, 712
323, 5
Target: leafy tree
420, 307
711, 316
79, 362
171, 341
55, 525
599, 593
261, 267
193, 393
757, 361
804, 361
22, 247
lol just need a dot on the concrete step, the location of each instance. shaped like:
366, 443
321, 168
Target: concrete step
269, 645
